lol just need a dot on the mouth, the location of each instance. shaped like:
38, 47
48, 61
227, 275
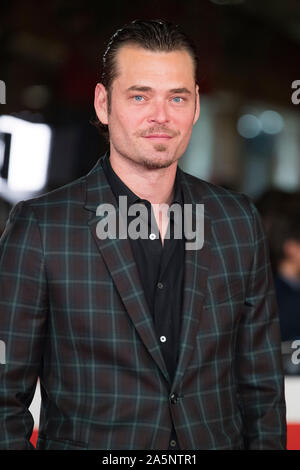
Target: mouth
158, 136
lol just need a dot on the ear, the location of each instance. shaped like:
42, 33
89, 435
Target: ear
100, 103
197, 110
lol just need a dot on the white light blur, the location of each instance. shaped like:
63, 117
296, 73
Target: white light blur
29, 153
286, 168
249, 126
271, 122
2, 151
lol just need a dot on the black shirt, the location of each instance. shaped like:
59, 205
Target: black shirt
161, 270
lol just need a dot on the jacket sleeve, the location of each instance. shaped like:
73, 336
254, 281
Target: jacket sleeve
23, 310
259, 371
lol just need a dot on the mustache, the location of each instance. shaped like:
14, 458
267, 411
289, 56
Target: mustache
157, 130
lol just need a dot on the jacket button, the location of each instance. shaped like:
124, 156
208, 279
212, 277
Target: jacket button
174, 398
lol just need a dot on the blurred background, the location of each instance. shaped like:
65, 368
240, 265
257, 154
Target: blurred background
247, 137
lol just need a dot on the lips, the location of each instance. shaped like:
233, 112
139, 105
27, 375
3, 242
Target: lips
158, 136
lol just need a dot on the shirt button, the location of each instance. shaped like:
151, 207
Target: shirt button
174, 398
163, 339
173, 443
152, 236
160, 285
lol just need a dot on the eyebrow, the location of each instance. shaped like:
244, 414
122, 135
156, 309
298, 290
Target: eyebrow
148, 88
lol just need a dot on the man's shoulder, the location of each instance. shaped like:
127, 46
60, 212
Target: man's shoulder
70, 195
61, 198
218, 200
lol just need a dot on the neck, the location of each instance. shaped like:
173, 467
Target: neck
154, 185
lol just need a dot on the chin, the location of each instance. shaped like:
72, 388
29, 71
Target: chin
156, 163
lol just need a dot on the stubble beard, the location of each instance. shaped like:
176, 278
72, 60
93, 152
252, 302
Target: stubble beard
151, 162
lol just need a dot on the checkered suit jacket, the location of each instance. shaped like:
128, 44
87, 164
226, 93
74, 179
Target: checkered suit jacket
73, 313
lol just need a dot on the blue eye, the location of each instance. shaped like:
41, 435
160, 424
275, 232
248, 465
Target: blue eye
177, 98
136, 98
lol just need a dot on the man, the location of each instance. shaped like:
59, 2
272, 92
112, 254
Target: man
140, 343
285, 244
280, 215
287, 282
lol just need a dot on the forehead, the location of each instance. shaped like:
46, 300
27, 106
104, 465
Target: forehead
137, 65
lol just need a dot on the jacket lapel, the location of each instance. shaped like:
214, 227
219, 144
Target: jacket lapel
196, 268
119, 259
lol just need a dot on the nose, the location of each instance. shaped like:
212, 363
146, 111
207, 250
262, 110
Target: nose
159, 112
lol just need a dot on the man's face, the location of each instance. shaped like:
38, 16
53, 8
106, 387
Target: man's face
154, 105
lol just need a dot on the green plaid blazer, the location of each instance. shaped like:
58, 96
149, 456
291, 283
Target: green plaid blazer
74, 314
